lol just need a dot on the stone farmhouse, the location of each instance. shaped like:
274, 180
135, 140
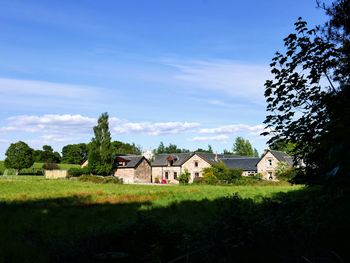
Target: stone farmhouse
170, 166
137, 169
132, 169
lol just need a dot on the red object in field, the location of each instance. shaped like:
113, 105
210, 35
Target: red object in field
163, 181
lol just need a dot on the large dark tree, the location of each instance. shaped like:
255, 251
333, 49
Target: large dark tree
75, 153
119, 147
19, 156
46, 155
100, 152
309, 97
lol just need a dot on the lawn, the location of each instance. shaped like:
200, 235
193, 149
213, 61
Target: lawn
71, 221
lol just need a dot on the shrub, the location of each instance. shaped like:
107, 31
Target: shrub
32, 171
199, 180
100, 179
184, 178
103, 169
285, 172
157, 180
75, 172
50, 166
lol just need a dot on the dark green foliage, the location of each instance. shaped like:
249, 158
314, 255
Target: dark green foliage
184, 177
19, 156
75, 153
100, 150
218, 173
283, 146
314, 116
50, 166
209, 150
75, 172
119, 147
100, 179
171, 148
46, 155
243, 147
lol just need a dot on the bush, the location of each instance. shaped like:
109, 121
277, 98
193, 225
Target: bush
50, 166
75, 172
199, 180
157, 180
32, 171
285, 172
103, 169
184, 178
100, 179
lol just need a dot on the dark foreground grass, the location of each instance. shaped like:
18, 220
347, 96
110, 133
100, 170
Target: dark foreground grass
70, 221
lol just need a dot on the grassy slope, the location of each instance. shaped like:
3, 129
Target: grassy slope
63, 166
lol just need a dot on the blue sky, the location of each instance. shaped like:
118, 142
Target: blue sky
189, 72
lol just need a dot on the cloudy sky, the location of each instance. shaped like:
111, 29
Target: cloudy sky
189, 72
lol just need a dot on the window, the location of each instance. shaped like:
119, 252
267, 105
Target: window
195, 164
269, 162
166, 175
196, 175
270, 175
175, 175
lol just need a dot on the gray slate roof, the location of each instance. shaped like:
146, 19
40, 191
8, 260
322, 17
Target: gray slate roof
244, 163
133, 161
282, 157
179, 159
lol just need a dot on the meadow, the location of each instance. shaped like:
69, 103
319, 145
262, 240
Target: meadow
37, 167
72, 221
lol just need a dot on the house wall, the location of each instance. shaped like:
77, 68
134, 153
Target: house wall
127, 174
143, 172
265, 168
192, 169
248, 173
160, 173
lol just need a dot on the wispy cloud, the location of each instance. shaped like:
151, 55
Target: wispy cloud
235, 128
221, 137
240, 80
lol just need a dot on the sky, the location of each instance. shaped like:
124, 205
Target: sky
188, 72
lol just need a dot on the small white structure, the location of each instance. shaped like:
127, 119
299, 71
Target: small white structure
56, 174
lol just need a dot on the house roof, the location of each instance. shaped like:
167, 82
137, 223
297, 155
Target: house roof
132, 161
178, 158
282, 157
244, 163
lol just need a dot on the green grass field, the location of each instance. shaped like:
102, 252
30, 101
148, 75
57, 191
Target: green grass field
71, 221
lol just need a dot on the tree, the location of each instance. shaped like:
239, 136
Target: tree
305, 110
75, 153
119, 147
171, 148
243, 147
19, 156
209, 150
46, 155
283, 146
100, 152
256, 153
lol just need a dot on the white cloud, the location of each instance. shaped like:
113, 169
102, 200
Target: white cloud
235, 128
43, 88
220, 137
239, 80
62, 127
156, 128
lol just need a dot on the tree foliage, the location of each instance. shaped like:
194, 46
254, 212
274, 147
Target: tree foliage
46, 155
308, 99
209, 150
243, 147
171, 148
119, 147
100, 150
19, 156
75, 153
